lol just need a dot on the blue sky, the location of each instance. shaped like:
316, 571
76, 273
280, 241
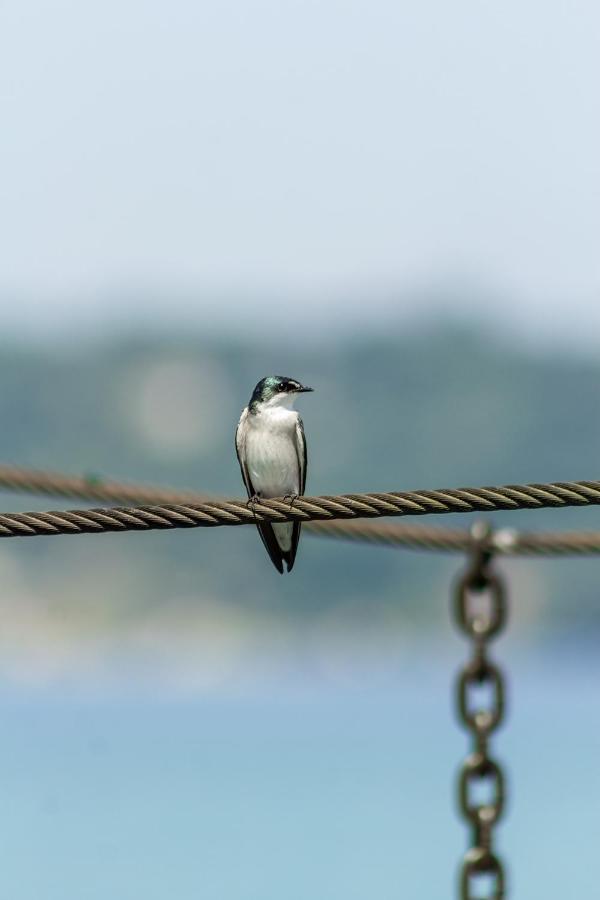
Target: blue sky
194, 160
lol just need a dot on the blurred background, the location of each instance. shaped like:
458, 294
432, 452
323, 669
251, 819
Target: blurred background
399, 205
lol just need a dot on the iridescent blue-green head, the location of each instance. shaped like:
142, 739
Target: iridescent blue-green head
275, 389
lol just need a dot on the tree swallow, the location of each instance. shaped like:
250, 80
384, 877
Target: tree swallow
271, 450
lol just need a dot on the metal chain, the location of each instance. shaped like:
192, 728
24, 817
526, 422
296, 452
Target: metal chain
480, 609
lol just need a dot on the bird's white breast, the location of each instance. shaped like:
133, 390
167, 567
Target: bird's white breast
271, 454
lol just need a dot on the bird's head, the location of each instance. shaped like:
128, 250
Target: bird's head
277, 390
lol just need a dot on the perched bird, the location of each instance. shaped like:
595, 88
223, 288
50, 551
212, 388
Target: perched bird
271, 450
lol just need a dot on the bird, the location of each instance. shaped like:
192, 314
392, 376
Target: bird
271, 450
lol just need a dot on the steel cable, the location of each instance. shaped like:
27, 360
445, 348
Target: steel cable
217, 512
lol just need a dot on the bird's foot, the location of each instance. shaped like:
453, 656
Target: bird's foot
251, 503
291, 498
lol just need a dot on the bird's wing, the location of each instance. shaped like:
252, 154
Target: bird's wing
300, 444
265, 530
302, 455
240, 449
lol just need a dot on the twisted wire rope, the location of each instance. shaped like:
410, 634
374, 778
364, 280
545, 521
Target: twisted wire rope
161, 508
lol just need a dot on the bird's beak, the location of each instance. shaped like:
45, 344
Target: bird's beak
305, 390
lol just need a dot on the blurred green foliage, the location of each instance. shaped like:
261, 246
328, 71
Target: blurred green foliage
423, 409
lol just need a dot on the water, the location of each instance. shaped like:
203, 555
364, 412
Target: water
336, 791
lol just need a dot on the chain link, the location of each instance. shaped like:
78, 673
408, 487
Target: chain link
480, 609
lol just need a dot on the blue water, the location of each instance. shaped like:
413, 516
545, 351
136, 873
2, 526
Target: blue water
296, 791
